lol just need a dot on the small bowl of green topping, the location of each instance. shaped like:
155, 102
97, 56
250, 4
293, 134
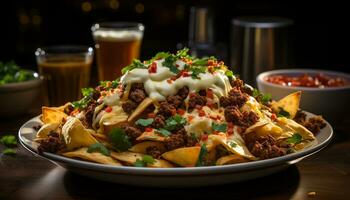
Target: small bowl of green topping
19, 89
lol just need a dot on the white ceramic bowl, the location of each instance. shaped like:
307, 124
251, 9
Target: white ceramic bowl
18, 98
333, 103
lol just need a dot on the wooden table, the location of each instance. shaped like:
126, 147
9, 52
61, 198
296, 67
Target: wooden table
327, 173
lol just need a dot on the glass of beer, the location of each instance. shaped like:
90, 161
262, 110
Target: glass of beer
117, 44
66, 69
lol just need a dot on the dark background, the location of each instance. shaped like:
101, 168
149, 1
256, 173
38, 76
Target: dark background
320, 27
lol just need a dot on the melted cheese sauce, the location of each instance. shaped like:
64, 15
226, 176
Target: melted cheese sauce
158, 86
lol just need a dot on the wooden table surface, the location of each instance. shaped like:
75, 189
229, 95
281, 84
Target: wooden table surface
326, 173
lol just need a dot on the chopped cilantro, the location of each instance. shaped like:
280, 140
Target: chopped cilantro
182, 53
200, 62
169, 62
144, 122
263, 98
283, 113
9, 152
146, 159
139, 163
233, 144
295, 139
98, 147
196, 70
174, 122
135, 64
87, 97
203, 152
164, 132
8, 140
229, 73
219, 127
119, 139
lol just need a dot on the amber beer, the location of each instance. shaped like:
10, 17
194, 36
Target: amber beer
117, 44
65, 73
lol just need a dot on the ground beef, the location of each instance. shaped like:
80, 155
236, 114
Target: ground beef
196, 99
154, 151
245, 119
131, 131
249, 118
179, 139
300, 117
240, 85
68, 109
89, 112
315, 124
166, 109
51, 144
159, 121
95, 95
129, 106
137, 95
183, 92
135, 86
232, 114
175, 100
265, 147
234, 98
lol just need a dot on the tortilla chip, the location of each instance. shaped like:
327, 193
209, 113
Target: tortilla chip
76, 135
52, 115
230, 159
185, 157
130, 158
45, 130
94, 156
139, 110
289, 103
292, 126
141, 147
152, 136
126, 93
113, 119
234, 143
255, 126
269, 129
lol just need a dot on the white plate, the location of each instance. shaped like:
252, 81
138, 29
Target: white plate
174, 177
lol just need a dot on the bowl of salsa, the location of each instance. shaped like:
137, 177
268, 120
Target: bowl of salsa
323, 92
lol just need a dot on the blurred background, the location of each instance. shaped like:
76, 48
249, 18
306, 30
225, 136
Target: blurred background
319, 39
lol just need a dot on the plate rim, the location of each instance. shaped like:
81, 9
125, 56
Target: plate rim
238, 167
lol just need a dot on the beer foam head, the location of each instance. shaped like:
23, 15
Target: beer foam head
117, 35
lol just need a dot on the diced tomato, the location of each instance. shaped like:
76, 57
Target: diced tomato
185, 73
211, 62
148, 129
180, 111
201, 113
151, 115
197, 145
169, 81
190, 118
204, 137
210, 94
192, 94
153, 68
108, 109
273, 116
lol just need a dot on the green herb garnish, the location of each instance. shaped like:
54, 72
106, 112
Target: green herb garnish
174, 122
283, 113
10, 72
119, 139
233, 144
219, 127
146, 159
263, 98
229, 73
203, 152
9, 140
135, 64
144, 122
196, 70
295, 139
164, 132
98, 147
87, 97
9, 152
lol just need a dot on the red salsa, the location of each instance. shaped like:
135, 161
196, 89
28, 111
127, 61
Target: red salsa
306, 80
